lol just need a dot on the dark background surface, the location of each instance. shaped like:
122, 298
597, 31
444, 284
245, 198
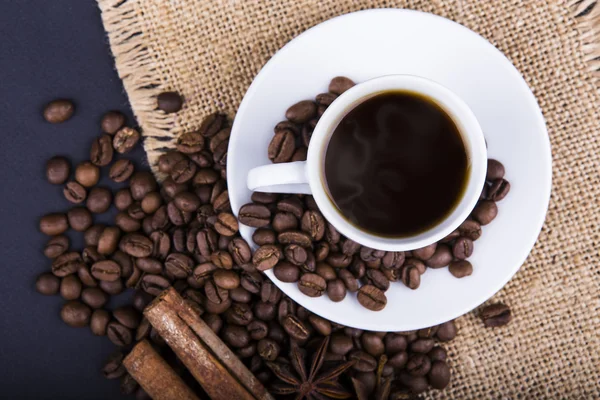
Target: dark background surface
48, 49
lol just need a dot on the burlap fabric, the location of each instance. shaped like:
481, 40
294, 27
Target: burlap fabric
210, 51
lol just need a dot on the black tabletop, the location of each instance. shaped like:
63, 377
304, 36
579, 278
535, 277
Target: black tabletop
48, 49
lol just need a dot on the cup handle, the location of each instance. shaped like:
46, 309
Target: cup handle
279, 178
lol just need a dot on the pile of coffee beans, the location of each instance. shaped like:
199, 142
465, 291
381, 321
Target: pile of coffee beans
301, 246
181, 233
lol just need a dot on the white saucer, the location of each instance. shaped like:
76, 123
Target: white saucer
372, 43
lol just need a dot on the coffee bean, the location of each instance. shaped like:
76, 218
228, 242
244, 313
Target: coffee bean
312, 285
221, 136
340, 84
226, 279
66, 264
127, 224
336, 290
364, 362
226, 224
94, 297
142, 183
470, 229
123, 199
207, 242
485, 212
463, 248
372, 344
160, 219
99, 200
266, 257
295, 327
495, 170
339, 260
143, 330
121, 170
498, 190
240, 251
240, 295
99, 321
220, 157
282, 146
127, 316
437, 354
235, 336
113, 368
313, 224
167, 160
426, 252
460, 268
109, 239
321, 251
410, 276
286, 272
325, 99
292, 205
441, 258
214, 322
85, 275
439, 375
378, 279
125, 140
56, 246
70, 287
112, 121
295, 254
58, 170
394, 343
113, 288
340, 344
101, 152
300, 154
179, 265
283, 221
74, 192
446, 331
254, 215
265, 311
136, 245
295, 237
326, 271
169, 102
149, 265
422, 345
47, 284
301, 112
348, 279
58, 111
367, 254
154, 284
87, 174
268, 349
357, 268
418, 365
54, 224
372, 298
495, 315
75, 314
213, 124
79, 219
263, 236
118, 334
106, 270
484, 192
222, 259
176, 216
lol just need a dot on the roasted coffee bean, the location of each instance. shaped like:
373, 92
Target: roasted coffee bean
295, 237
302, 313
266, 257
357, 268
307, 131
326, 271
186, 201
101, 152
498, 190
240, 295
268, 349
321, 325
446, 331
340, 84
90, 255
301, 112
99, 200
113, 288
263, 236
375, 264
485, 212
283, 221
286, 272
439, 375
348, 279
367, 254
112, 121
470, 229
125, 140
58, 170
226, 279
240, 251
325, 99
287, 126
441, 258
136, 245
339, 260
427, 332
378, 279
495, 315
292, 205
142, 183
395, 343
422, 345
143, 330
74, 192
125, 261
109, 240
167, 160
47, 284
121, 171
235, 336
300, 154
214, 322
106, 270
312, 285
70, 287
350, 247
251, 281
372, 344
220, 157
321, 251
246, 351
495, 170
161, 244
127, 316
118, 334
218, 308
56, 246
418, 365
204, 270
264, 198
54, 224
254, 215
295, 254
426, 252
126, 223
184, 171
123, 199
437, 354
76, 314
94, 297
205, 176
179, 265
58, 111
410, 276
114, 368
336, 290
484, 192
220, 137
169, 102
213, 124
460, 268
392, 275
393, 259
364, 362
79, 219
226, 224
265, 311
160, 219
463, 248
154, 284
372, 298
340, 344
222, 259
66, 264
282, 146
99, 322
180, 240
295, 327
87, 174
149, 265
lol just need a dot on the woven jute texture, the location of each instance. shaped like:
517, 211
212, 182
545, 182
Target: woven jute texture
210, 50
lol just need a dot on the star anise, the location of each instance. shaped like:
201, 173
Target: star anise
315, 384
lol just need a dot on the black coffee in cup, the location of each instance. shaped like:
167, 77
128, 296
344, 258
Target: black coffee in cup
396, 165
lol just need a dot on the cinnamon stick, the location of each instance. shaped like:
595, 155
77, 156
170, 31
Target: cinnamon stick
209, 360
154, 375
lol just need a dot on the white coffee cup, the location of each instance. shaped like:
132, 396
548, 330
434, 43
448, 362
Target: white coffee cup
308, 176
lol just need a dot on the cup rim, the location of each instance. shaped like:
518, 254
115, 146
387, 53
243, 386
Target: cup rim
458, 110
